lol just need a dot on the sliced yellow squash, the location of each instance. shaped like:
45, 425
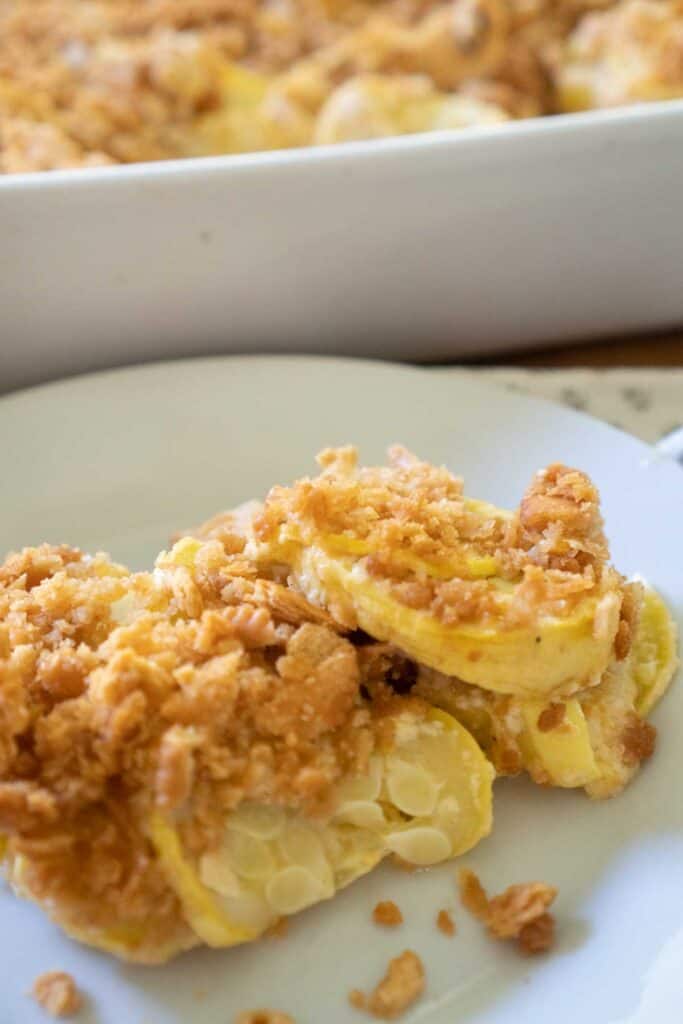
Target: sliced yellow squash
654, 654
563, 752
555, 656
426, 798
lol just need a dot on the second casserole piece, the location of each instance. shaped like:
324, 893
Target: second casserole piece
188, 755
515, 622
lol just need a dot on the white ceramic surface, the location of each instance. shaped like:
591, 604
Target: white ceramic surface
119, 460
415, 248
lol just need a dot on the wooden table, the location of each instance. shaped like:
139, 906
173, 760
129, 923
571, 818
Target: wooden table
658, 350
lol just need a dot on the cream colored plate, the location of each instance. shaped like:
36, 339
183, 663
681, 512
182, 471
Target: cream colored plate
120, 460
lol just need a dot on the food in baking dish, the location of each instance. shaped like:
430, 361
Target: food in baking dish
97, 82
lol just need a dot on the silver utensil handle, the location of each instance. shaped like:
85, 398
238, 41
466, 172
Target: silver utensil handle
672, 444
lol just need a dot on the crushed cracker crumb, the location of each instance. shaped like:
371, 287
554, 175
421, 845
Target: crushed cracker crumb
551, 717
56, 992
520, 912
402, 984
445, 923
388, 914
638, 739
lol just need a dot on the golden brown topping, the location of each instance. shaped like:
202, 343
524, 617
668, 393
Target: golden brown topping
520, 912
388, 914
292, 607
560, 522
120, 691
90, 84
57, 993
639, 739
445, 923
412, 531
628, 622
403, 983
551, 717
630, 52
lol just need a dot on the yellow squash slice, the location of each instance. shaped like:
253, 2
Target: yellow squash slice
555, 656
426, 799
655, 656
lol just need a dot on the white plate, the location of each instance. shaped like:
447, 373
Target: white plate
421, 247
119, 460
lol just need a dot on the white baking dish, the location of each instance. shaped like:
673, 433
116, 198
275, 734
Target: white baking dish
426, 247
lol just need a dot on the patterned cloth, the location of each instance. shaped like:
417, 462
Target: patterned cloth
646, 403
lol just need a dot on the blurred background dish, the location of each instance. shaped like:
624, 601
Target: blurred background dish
491, 226
428, 247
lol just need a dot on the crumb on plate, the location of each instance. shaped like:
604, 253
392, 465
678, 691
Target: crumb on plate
56, 992
402, 984
445, 922
520, 912
388, 914
263, 1017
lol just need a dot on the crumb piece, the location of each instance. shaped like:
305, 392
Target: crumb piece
638, 739
445, 923
517, 907
57, 993
357, 999
263, 1017
388, 914
551, 717
537, 936
473, 895
520, 912
402, 984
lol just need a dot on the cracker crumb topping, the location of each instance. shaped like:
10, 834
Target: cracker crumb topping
639, 739
551, 717
189, 689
